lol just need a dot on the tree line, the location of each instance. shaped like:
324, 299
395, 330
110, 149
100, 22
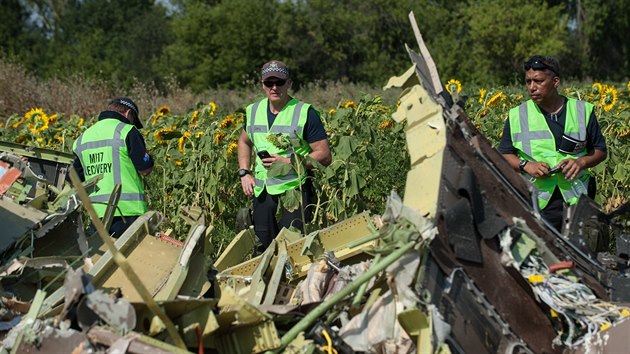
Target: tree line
223, 43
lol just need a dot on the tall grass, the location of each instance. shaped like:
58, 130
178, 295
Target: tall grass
20, 91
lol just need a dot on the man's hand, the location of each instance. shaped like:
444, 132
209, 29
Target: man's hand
268, 161
572, 167
146, 172
247, 182
537, 169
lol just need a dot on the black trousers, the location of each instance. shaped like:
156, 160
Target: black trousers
554, 211
266, 224
120, 225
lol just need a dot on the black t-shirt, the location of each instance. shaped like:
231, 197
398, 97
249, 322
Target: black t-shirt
313, 129
594, 137
135, 146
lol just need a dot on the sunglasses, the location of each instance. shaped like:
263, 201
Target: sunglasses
277, 83
539, 64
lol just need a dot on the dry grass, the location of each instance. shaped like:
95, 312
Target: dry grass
20, 91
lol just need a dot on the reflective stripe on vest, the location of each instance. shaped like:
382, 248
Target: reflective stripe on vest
289, 121
132, 198
534, 141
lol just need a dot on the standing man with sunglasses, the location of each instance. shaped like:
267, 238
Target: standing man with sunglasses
279, 113
553, 140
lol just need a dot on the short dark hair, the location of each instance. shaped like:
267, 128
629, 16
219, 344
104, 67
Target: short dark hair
540, 62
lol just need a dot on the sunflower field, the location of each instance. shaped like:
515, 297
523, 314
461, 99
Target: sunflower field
196, 152
196, 159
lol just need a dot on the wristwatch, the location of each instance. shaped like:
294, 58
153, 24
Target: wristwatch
521, 165
242, 172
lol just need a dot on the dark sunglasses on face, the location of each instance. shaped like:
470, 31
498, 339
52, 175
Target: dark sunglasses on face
277, 83
538, 65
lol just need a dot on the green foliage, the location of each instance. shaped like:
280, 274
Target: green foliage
506, 33
209, 44
114, 40
604, 45
225, 43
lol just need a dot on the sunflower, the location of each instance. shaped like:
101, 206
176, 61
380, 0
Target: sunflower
609, 98
17, 124
218, 137
194, 117
34, 117
81, 121
597, 88
227, 122
482, 95
163, 135
231, 148
453, 86
386, 124
332, 112
155, 118
35, 129
182, 142
496, 98
35, 112
164, 110
350, 104
213, 108
199, 134
179, 162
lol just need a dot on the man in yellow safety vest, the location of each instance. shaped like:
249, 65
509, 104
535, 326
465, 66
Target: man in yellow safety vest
114, 148
279, 114
553, 140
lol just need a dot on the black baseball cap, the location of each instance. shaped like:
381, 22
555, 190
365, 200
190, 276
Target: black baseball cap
127, 102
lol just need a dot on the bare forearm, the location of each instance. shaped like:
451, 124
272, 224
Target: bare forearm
321, 157
513, 160
244, 151
593, 159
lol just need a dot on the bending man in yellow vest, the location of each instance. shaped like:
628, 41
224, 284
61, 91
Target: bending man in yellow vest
552, 140
114, 148
279, 115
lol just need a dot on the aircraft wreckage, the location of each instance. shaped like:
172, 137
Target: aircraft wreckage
463, 263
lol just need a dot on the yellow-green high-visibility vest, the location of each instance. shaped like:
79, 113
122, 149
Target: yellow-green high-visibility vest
290, 123
534, 141
102, 151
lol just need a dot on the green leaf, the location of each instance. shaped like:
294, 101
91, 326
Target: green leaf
353, 188
620, 173
314, 162
211, 185
291, 199
347, 145
279, 169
